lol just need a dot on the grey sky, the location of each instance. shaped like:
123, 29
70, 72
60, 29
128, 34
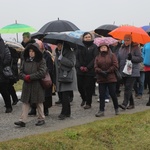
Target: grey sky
86, 14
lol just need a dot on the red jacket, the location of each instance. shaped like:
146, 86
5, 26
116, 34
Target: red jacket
107, 62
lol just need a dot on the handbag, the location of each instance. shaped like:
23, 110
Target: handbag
46, 82
128, 68
7, 72
65, 76
118, 75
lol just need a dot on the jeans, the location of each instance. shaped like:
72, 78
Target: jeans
128, 84
112, 91
139, 84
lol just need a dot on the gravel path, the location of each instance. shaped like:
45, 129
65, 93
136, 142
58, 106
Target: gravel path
79, 116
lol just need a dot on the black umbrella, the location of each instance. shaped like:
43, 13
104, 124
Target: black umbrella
58, 26
105, 29
53, 38
37, 35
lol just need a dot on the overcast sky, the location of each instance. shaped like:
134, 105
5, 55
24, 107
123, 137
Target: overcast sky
85, 14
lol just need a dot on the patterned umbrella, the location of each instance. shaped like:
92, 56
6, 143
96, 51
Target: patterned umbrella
104, 40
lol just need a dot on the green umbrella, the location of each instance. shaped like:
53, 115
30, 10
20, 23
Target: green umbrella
16, 28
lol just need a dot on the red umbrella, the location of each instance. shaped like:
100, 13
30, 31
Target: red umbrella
138, 34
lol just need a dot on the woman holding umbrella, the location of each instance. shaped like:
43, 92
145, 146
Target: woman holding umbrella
129, 51
65, 75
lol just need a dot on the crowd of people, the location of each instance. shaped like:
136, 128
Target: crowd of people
71, 70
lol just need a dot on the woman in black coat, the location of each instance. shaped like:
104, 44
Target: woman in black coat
5, 58
85, 69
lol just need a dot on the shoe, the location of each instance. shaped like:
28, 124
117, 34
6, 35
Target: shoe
130, 107
61, 117
106, 100
46, 112
122, 106
139, 97
83, 103
58, 102
116, 111
20, 123
40, 123
148, 104
32, 112
8, 110
87, 107
99, 114
15, 102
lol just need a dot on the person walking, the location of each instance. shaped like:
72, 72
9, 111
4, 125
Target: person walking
85, 69
129, 51
33, 69
65, 66
105, 65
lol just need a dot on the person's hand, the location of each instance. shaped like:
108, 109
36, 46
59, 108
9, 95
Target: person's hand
85, 69
129, 56
82, 68
27, 78
104, 74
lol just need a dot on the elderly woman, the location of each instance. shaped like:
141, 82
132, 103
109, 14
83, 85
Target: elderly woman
32, 70
129, 51
105, 65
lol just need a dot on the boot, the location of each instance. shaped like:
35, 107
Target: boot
148, 103
46, 112
32, 112
99, 114
20, 123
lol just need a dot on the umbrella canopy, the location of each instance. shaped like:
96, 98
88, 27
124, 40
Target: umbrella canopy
16, 28
76, 34
37, 35
58, 26
145, 28
54, 37
105, 29
17, 46
104, 40
138, 34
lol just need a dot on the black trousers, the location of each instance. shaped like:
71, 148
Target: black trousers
60, 95
112, 93
128, 86
5, 94
86, 88
12, 92
66, 109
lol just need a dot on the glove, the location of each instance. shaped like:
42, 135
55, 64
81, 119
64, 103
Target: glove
27, 78
104, 74
129, 56
82, 68
85, 69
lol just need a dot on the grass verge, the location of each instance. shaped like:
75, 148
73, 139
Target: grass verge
124, 132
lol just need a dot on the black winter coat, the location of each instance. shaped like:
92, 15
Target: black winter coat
85, 56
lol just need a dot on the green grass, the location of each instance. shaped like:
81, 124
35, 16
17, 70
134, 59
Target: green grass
18, 85
124, 132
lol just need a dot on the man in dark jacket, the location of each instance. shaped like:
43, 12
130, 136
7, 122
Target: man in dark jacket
5, 58
85, 69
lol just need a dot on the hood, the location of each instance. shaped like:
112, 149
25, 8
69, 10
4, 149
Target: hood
38, 53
